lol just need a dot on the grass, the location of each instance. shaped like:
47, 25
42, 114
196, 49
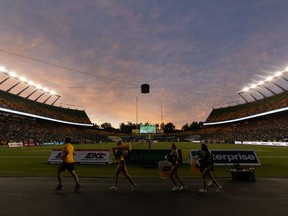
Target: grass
32, 161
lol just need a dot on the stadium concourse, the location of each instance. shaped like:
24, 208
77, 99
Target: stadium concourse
35, 196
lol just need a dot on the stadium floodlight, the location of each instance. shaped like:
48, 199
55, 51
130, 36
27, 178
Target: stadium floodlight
31, 83
13, 74
278, 74
23, 79
39, 87
3, 69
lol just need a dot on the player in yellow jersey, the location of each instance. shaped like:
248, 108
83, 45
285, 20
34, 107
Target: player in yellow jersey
67, 163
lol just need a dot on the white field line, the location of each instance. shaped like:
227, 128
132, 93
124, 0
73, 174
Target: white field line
25, 156
274, 157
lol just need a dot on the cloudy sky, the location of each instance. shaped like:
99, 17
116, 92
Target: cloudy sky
194, 54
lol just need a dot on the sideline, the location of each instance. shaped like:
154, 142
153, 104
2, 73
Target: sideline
35, 196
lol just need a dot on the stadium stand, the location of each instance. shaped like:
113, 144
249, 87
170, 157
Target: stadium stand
270, 127
14, 102
233, 112
17, 128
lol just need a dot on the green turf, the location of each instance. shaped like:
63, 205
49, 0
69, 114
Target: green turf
33, 161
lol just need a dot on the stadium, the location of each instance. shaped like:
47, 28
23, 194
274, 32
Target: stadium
263, 119
33, 123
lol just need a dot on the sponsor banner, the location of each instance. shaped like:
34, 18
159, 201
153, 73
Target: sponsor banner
146, 156
15, 144
94, 157
230, 157
83, 156
262, 143
52, 143
55, 156
29, 143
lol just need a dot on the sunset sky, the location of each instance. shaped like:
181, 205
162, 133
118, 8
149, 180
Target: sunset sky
194, 54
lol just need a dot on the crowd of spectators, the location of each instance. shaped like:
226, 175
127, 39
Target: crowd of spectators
269, 128
16, 128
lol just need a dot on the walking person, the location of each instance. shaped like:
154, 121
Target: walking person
206, 160
120, 153
173, 159
201, 167
67, 163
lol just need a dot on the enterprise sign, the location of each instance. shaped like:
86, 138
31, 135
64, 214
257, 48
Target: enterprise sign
231, 157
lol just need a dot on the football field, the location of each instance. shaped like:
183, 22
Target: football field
33, 161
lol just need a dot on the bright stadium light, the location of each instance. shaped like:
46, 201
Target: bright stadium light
31, 83
13, 74
23, 79
45, 90
278, 74
268, 79
39, 87
3, 69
